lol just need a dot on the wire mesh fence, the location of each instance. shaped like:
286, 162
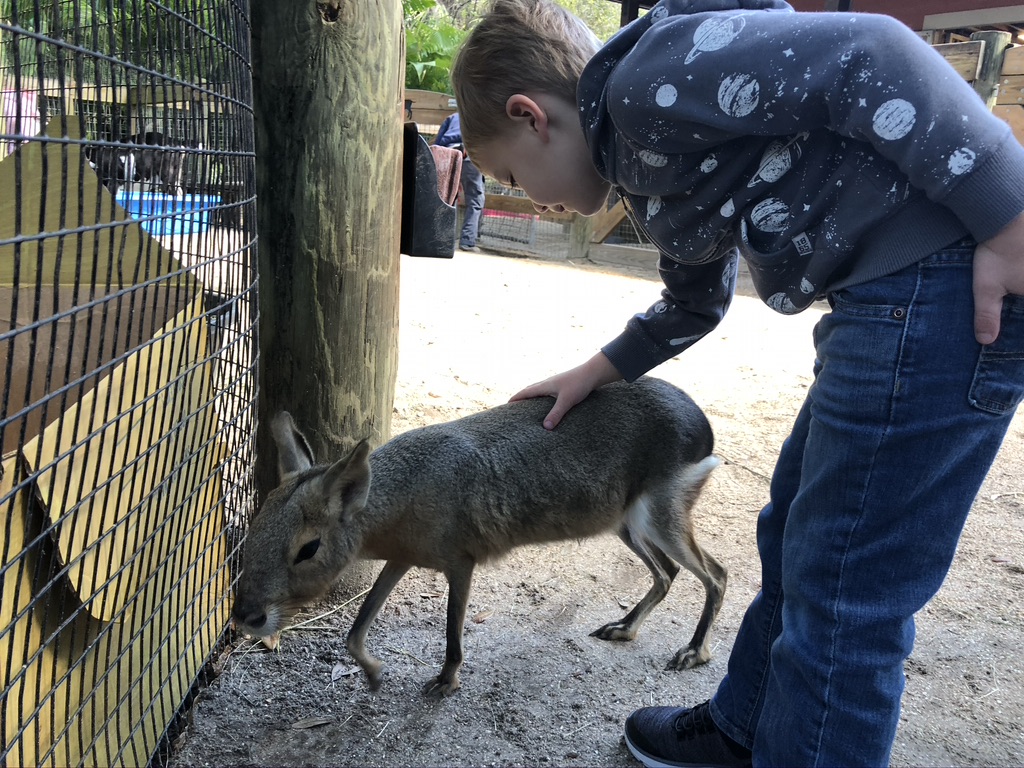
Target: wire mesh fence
128, 311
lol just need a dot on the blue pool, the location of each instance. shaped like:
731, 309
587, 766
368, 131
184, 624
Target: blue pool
177, 215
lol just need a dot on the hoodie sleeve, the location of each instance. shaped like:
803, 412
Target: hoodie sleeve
693, 302
694, 80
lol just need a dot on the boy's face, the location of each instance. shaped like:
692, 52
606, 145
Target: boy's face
545, 154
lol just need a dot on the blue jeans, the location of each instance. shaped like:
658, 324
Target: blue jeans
867, 503
473, 195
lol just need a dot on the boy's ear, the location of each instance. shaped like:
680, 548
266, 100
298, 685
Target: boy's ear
525, 111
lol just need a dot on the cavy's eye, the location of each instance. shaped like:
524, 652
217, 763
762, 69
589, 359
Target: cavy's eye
308, 550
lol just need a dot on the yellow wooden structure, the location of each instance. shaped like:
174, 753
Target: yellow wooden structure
112, 551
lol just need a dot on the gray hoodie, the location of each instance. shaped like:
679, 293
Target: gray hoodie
827, 149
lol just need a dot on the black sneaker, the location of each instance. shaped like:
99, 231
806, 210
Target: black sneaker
670, 737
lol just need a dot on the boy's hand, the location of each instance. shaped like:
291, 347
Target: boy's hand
998, 271
571, 387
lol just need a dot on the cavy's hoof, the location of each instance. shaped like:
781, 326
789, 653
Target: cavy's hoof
438, 686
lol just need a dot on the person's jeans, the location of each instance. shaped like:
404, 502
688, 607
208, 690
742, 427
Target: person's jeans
867, 502
473, 195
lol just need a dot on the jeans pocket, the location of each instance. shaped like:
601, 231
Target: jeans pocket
867, 301
998, 385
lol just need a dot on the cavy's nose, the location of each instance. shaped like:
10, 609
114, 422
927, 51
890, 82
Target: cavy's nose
249, 616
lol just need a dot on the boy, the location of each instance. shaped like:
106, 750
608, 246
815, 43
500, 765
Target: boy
845, 161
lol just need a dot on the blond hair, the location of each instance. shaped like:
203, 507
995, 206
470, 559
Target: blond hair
519, 46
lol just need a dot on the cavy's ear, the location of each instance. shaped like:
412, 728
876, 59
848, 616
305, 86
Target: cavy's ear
349, 479
293, 452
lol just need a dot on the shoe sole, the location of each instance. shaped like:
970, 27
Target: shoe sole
650, 761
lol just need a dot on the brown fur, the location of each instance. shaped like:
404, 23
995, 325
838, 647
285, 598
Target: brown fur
631, 458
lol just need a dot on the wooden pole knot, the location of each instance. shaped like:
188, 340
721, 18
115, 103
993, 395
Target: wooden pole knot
329, 10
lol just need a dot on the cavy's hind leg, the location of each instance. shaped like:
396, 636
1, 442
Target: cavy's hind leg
662, 570
460, 578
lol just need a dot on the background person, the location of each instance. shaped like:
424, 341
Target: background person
471, 182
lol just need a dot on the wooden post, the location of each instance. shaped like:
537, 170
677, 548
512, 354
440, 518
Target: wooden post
580, 230
987, 82
630, 12
328, 79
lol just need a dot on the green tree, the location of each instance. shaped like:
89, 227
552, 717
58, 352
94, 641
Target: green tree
431, 40
602, 16
434, 30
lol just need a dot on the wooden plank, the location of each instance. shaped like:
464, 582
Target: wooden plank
1014, 115
1013, 61
102, 693
93, 482
606, 222
428, 108
430, 100
1011, 90
965, 58
162, 93
48, 172
509, 204
427, 117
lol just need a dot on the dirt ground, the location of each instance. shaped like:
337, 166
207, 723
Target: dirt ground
536, 689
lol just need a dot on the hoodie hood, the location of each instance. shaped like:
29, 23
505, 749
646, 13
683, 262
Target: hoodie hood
590, 94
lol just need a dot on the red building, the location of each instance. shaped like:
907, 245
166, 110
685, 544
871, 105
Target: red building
942, 20
939, 21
